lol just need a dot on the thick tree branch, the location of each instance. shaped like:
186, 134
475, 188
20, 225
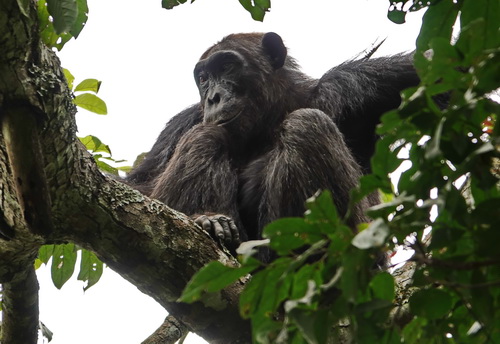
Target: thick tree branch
20, 308
52, 192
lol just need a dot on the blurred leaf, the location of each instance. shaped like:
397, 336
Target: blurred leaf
103, 166
258, 299
382, 286
396, 16
213, 277
91, 102
257, 8
63, 264
81, 19
322, 211
37, 263
373, 236
169, 4
432, 148
249, 248
92, 85
91, 269
47, 31
288, 234
439, 19
414, 331
94, 144
64, 14
45, 253
431, 303
69, 78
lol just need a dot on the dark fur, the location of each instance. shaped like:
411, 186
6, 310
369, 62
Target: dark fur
293, 136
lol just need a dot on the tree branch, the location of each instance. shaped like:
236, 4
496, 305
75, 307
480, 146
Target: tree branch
20, 308
168, 333
152, 246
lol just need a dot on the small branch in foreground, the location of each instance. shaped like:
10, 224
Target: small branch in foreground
168, 333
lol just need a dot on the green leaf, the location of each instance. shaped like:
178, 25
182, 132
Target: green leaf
302, 278
266, 290
439, 19
91, 102
396, 16
37, 263
90, 269
322, 210
64, 14
169, 4
432, 150
92, 85
47, 31
431, 303
45, 253
356, 269
382, 286
373, 236
63, 264
487, 11
81, 19
94, 144
69, 78
288, 234
103, 166
373, 305
214, 277
256, 8
413, 332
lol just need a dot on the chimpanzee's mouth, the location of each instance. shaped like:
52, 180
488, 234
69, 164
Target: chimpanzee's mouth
223, 122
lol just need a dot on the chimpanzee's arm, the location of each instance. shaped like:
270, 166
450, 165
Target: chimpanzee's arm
156, 160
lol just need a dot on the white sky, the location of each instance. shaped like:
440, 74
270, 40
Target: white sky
145, 56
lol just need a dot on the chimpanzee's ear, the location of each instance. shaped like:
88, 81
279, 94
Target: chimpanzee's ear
275, 49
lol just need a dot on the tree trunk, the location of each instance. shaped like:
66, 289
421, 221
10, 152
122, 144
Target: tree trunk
52, 192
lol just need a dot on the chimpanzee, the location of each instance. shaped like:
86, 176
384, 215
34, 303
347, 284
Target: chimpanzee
265, 136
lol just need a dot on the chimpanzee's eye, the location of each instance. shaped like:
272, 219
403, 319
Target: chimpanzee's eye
202, 77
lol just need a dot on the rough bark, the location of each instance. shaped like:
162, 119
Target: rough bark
168, 333
52, 192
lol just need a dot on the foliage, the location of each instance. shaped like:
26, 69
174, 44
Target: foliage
60, 20
257, 8
64, 259
91, 102
452, 187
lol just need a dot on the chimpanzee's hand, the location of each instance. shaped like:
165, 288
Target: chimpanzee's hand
221, 227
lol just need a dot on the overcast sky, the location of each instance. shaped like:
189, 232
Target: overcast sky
145, 56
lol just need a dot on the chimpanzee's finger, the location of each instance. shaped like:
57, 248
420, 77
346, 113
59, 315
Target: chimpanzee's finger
204, 222
235, 233
217, 229
228, 238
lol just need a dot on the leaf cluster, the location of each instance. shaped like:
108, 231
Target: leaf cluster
60, 20
63, 264
87, 99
